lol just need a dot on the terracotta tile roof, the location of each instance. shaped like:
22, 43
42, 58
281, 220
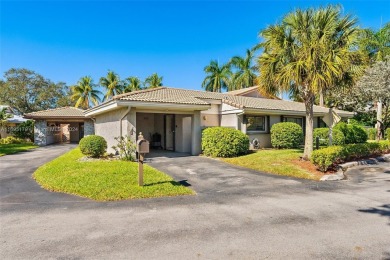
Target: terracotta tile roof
239, 92
195, 97
61, 112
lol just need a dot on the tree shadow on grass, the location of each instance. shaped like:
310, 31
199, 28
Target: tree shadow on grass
383, 210
174, 183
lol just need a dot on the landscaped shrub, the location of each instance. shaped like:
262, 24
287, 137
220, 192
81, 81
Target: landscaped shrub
93, 145
387, 134
224, 142
326, 157
359, 133
12, 140
24, 130
371, 132
353, 133
286, 135
323, 134
126, 148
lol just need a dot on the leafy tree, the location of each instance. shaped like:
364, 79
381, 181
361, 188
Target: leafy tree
376, 44
24, 130
132, 84
153, 81
309, 51
85, 94
218, 77
246, 73
112, 84
4, 116
28, 91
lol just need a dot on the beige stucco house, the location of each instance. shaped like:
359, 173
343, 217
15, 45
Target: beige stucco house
173, 119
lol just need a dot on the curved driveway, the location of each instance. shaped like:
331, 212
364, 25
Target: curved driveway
237, 214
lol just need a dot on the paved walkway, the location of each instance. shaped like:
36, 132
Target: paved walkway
237, 214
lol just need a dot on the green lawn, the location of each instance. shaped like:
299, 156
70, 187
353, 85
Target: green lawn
15, 148
282, 162
105, 180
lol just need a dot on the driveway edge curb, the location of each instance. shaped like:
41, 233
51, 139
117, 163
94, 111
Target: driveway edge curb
339, 175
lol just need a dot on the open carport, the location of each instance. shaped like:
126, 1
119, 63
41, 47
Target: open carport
60, 125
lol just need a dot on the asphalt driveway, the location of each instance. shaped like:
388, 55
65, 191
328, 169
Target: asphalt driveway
236, 214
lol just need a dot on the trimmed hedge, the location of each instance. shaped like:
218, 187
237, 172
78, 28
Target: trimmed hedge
323, 134
286, 135
12, 140
224, 142
371, 132
353, 133
326, 157
93, 145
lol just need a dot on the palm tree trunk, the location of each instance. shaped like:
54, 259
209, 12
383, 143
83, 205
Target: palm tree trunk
321, 98
309, 102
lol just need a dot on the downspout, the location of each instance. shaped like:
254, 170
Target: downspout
120, 121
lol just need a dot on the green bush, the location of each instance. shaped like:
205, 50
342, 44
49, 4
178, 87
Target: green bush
12, 140
93, 145
24, 130
387, 134
125, 148
323, 134
371, 132
224, 142
353, 133
326, 157
286, 135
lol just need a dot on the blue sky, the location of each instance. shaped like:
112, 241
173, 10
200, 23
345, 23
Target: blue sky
65, 40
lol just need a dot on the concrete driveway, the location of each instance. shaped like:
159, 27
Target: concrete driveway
237, 214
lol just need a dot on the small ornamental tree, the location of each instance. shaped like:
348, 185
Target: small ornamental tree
126, 148
286, 135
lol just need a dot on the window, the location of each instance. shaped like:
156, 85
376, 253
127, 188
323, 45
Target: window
255, 123
297, 120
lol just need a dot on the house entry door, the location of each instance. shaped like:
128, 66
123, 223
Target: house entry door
169, 132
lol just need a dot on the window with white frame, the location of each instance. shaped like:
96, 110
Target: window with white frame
255, 123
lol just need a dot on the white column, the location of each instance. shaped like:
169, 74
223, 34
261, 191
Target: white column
196, 137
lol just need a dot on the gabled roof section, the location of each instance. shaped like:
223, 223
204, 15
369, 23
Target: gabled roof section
242, 91
61, 112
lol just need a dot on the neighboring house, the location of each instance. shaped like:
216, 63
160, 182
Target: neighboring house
12, 122
179, 115
60, 125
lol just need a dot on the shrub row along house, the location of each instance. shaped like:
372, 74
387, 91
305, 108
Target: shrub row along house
173, 119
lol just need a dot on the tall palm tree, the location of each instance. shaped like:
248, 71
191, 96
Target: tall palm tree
218, 77
376, 44
132, 84
85, 94
246, 73
153, 81
309, 51
112, 84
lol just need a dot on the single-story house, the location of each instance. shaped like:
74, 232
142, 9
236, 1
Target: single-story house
60, 125
173, 119
12, 122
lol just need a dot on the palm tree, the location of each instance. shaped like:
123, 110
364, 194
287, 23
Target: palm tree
310, 51
376, 44
245, 75
153, 81
112, 84
84, 93
218, 77
132, 84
